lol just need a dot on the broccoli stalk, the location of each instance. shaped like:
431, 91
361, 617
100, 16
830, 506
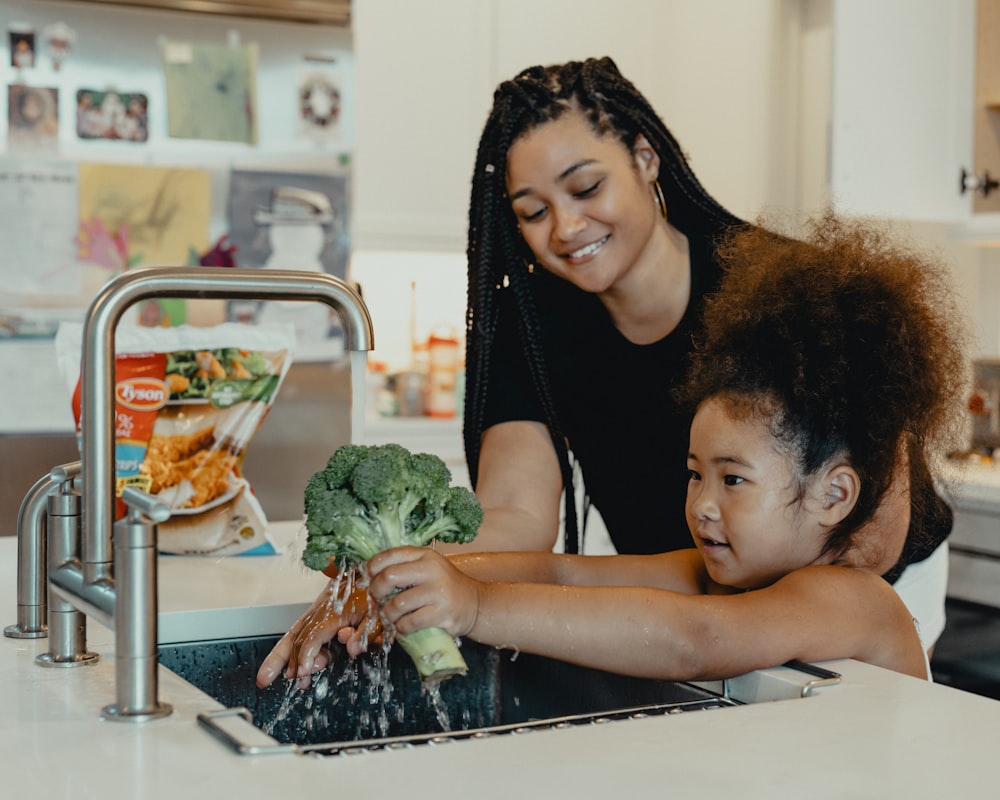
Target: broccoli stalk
370, 498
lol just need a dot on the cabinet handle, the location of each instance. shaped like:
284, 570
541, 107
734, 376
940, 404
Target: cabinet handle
983, 184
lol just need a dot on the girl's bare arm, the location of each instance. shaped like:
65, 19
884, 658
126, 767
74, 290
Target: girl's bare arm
813, 614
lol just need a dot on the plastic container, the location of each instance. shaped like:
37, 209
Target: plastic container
410, 393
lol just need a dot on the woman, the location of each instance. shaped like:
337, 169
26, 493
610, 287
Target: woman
592, 248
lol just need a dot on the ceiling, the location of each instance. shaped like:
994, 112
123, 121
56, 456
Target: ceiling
317, 12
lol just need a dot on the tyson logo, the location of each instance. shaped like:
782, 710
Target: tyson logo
142, 394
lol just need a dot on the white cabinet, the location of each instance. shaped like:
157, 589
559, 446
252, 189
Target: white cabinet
722, 73
902, 107
423, 89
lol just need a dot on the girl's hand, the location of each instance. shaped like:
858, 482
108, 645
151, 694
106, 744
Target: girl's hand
419, 588
302, 651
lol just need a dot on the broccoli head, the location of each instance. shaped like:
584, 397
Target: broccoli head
369, 498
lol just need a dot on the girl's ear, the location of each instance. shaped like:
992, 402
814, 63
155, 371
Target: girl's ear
841, 487
646, 158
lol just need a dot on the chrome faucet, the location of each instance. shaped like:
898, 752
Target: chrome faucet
79, 570
41, 499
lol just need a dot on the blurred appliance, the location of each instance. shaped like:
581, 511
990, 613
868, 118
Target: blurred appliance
972, 488
984, 405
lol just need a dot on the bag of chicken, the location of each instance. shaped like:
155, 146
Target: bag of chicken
188, 401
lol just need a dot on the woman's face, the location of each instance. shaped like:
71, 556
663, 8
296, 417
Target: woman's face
583, 202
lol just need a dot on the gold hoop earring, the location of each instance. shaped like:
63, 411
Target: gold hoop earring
658, 197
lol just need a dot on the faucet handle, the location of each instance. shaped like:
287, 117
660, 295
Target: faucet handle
135, 610
65, 472
139, 502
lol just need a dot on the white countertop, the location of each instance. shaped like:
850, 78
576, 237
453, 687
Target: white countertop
877, 735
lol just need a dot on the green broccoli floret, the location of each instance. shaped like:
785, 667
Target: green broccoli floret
369, 498
335, 531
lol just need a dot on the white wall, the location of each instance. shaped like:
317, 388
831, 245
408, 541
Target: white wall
724, 75
119, 47
744, 84
422, 291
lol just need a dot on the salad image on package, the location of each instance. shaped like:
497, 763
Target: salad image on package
188, 402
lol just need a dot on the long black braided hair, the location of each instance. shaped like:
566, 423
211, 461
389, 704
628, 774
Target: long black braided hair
498, 256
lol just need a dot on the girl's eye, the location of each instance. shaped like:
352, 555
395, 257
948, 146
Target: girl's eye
693, 475
733, 480
588, 191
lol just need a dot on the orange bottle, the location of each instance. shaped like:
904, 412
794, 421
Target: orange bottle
442, 373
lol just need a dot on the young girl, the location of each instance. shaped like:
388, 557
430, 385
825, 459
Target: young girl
824, 366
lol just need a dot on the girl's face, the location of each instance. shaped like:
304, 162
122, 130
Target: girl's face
741, 505
583, 202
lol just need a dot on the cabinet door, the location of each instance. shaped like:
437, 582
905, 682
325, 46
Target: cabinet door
423, 89
721, 73
903, 79
986, 113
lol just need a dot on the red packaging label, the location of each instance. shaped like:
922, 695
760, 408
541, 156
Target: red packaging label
140, 392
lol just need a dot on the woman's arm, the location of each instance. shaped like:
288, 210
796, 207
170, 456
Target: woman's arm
519, 487
813, 614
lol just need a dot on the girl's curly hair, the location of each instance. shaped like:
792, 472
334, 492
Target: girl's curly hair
848, 342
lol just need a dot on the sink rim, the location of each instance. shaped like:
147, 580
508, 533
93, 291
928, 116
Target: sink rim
209, 721
794, 679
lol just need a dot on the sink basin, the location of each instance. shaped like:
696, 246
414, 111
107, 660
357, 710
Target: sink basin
359, 705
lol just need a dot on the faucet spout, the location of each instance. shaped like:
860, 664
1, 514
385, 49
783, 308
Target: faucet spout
125, 590
32, 605
98, 361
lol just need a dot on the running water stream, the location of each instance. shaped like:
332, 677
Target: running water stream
363, 686
359, 383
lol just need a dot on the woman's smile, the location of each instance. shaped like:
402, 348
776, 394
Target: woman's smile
578, 195
588, 251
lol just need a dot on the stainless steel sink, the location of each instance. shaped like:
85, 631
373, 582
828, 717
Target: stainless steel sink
352, 709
